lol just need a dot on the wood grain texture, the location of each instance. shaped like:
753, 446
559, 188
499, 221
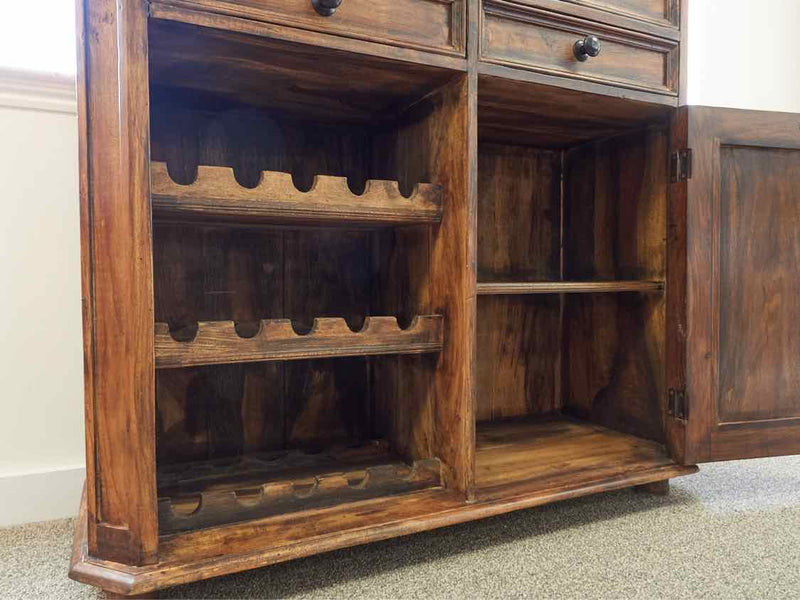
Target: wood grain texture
519, 214
281, 496
117, 264
675, 309
658, 17
440, 123
430, 25
238, 547
545, 115
518, 363
243, 87
741, 342
245, 275
614, 361
221, 342
759, 247
217, 65
557, 453
615, 204
530, 38
567, 287
215, 194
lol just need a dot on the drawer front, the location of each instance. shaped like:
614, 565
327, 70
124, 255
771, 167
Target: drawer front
430, 25
662, 12
536, 40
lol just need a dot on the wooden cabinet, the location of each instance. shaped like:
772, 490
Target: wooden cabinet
432, 25
741, 213
341, 286
542, 41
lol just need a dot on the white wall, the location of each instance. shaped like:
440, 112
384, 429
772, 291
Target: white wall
744, 54
41, 368
741, 53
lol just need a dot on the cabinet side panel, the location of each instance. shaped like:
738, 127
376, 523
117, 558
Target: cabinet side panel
435, 146
117, 284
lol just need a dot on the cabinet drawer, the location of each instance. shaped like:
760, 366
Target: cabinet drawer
431, 25
536, 40
662, 12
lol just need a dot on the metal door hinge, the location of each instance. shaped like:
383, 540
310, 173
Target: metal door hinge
678, 406
681, 165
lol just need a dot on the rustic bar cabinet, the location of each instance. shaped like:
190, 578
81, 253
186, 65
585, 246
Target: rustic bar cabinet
354, 269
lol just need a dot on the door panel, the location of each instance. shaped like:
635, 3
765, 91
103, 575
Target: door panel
742, 284
759, 300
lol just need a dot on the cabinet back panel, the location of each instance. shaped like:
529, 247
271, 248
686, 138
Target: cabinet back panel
519, 213
614, 361
228, 410
615, 199
251, 141
208, 272
518, 359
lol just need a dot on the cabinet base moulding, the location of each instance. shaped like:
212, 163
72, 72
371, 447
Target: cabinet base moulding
198, 555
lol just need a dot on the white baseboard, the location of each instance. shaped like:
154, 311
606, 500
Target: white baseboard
43, 496
37, 91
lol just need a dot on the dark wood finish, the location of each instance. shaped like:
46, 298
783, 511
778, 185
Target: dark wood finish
218, 66
443, 124
659, 11
430, 25
521, 204
315, 488
658, 17
558, 453
614, 361
517, 370
519, 213
222, 342
741, 341
657, 488
547, 116
116, 265
238, 547
675, 309
567, 287
615, 199
216, 195
530, 38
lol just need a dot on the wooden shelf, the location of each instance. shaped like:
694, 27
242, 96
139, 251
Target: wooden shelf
216, 195
209, 493
219, 342
561, 454
567, 287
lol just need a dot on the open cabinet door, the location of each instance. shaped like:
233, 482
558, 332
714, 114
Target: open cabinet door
736, 188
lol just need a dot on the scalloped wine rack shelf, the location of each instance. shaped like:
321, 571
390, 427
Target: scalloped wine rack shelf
218, 342
212, 507
216, 195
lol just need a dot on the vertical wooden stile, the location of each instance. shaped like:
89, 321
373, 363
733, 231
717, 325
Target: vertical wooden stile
117, 283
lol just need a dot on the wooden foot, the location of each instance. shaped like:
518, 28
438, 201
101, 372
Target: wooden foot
657, 488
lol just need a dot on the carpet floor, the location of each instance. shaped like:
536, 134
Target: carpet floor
731, 531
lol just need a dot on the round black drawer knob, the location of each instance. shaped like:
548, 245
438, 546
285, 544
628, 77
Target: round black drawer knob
587, 47
326, 7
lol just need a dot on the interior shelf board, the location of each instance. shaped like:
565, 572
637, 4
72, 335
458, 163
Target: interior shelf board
218, 342
216, 195
205, 494
567, 287
558, 455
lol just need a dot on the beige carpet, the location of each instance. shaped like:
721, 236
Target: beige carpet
731, 531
